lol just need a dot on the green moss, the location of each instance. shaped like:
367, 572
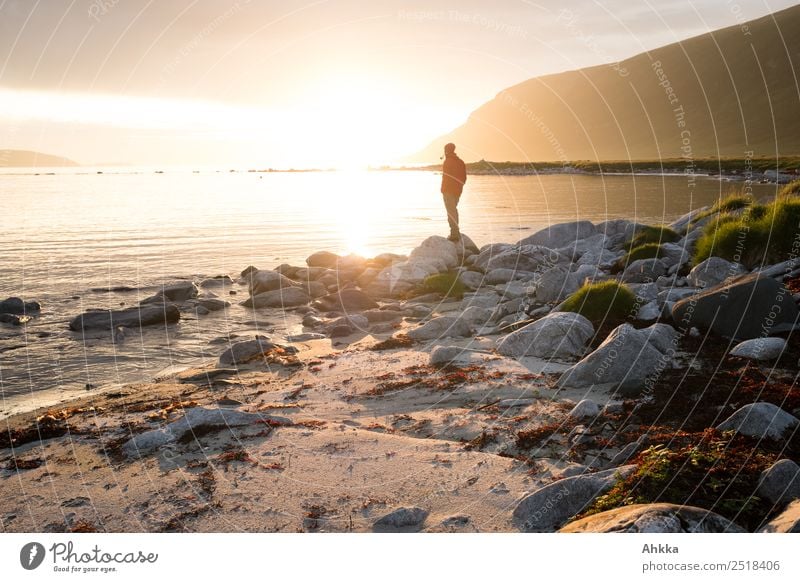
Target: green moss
653, 234
447, 284
601, 302
764, 234
716, 474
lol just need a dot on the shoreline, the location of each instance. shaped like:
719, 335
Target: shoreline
446, 390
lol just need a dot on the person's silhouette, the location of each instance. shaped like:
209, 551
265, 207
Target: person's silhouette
454, 175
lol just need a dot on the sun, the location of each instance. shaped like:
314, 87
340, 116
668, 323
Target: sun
353, 121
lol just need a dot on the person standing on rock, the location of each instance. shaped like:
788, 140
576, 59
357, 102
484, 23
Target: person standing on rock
454, 175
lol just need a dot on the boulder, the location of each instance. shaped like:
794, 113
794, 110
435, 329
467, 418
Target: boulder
530, 258
289, 297
180, 291
560, 235
713, 271
760, 420
684, 221
762, 348
472, 280
550, 507
780, 484
498, 276
401, 519
584, 409
346, 300
557, 335
653, 518
439, 327
434, 249
217, 281
579, 247
487, 252
627, 355
133, 317
644, 271
212, 304
265, 281
445, 355
323, 259
649, 311
16, 306
674, 255
245, 351
788, 521
476, 316
555, 284
744, 308
602, 259
195, 420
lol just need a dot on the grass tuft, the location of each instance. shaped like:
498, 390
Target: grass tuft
764, 234
603, 301
447, 284
653, 234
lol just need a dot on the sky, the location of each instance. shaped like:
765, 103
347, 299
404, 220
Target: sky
263, 83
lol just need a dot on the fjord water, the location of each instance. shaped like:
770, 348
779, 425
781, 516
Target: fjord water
71, 234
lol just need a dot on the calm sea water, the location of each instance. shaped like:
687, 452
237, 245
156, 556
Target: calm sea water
69, 233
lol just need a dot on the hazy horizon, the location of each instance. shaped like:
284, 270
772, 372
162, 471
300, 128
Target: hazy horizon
326, 84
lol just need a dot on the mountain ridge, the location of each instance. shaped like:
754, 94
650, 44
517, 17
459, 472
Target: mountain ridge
32, 159
724, 93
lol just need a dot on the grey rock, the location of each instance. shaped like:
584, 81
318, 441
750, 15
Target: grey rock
584, 409
476, 316
323, 259
178, 292
627, 452
217, 281
531, 258
194, 419
713, 271
134, 317
445, 355
245, 351
497, 276
440, 327
654, 518
346, 300
16, 306
644, 271
472, 280
780, 483
555, 284
381, 315
743, 308
627, 355
762, 348
560, 235
550, 507
265, 281
557, 335
649, 311
289, 297
759, 420
212, 304
683, 222
402, 518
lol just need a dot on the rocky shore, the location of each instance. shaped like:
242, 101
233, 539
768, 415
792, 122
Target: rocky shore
557, 383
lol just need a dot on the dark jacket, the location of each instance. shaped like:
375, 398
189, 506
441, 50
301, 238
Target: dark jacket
454, 174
